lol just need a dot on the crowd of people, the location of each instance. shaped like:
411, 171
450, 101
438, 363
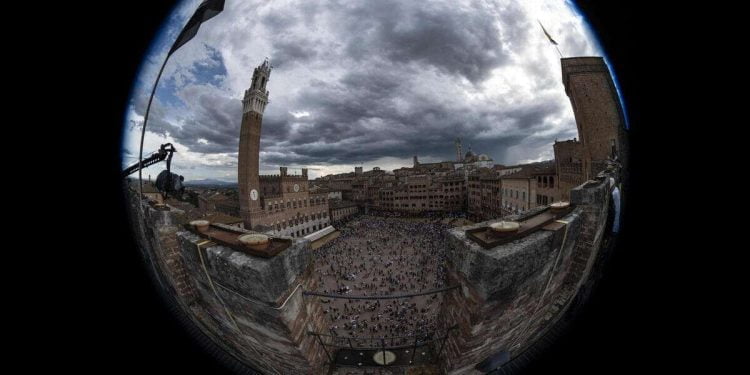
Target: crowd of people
383, 256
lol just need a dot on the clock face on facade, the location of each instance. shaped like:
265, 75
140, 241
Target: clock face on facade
254, 195
296, 188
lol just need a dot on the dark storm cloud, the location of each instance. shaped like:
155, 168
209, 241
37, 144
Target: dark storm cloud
387, 42
287, 46
384, 79
354, 120
291, 51
215, 119
458, 42
279, 22
209, 124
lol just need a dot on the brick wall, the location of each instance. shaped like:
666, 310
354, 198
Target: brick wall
158, 241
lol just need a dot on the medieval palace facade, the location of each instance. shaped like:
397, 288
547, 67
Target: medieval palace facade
280, 204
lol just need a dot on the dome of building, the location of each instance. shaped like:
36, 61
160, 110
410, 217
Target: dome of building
484, 157
469, 154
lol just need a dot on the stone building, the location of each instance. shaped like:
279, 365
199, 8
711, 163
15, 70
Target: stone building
491, 196
332, 194
547, 190
484, 194
529, 186
279, 204
422, 193
598, 113
569, 166
287, 206
342, 210
421, 187
474, 195
517, 189
453, 192
214, 201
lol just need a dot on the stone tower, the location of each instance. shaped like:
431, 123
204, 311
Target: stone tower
597, 110
253, 105
459, 154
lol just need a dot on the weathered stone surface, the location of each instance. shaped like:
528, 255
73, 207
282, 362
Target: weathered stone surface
263, 279
257, 303
514, 293
493, 271
253, 307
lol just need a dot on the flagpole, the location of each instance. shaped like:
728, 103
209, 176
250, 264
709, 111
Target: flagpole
550, 38
143, 128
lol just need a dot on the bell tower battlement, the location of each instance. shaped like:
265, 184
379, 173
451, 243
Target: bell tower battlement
256, 97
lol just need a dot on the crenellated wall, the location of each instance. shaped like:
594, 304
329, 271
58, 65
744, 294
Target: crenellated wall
513, 294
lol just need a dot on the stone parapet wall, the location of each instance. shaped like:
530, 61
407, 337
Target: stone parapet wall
155, 232
263, 279
251, 307
501, 288
255, 305
514, 293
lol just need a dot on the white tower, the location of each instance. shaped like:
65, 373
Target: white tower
458, 150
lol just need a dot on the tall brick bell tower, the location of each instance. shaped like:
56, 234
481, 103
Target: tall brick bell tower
597, 110
253, 105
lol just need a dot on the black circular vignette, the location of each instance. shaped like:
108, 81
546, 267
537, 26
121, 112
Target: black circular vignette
150, 334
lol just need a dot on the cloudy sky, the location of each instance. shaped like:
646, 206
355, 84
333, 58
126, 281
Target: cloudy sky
367, 83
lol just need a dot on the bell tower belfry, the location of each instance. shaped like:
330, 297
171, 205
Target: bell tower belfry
253, 105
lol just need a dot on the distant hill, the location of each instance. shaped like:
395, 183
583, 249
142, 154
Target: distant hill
209, 182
